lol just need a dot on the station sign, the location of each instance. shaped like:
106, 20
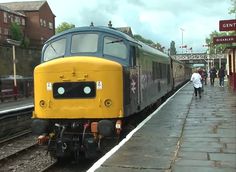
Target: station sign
227, 25
224, 39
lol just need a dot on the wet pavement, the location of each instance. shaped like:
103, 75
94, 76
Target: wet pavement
186, 134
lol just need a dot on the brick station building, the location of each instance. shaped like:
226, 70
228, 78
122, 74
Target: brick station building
35, 18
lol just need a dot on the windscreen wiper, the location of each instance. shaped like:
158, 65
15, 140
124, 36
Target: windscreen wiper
118, 40
53, 49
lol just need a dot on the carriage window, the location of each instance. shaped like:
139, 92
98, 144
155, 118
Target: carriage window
82, 43
55, 49
114, 47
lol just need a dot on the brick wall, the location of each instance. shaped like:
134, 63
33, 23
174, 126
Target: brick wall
38, 29
26, 59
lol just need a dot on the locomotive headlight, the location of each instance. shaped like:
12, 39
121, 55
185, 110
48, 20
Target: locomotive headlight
61, 90
87, 90
42, 103
108, 102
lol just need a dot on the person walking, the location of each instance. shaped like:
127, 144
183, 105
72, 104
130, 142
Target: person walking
212, 75
205, 76
221, 75
200, 71
196, 79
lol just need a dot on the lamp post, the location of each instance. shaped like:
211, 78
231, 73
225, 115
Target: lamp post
14, 43
182, 34
208, 57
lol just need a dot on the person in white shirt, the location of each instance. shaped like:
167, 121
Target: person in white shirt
197, 84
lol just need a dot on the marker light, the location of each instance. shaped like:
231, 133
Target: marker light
108, 102
42, 104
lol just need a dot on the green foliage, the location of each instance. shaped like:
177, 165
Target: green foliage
15, 32
148, 42
64, 26
25, 42
232, 10
172, 48
159, 47
218, 48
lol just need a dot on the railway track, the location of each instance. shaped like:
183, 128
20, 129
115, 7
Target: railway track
23, 154
18, 148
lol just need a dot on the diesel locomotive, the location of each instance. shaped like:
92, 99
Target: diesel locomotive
90, 80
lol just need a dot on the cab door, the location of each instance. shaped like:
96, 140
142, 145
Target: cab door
135, 96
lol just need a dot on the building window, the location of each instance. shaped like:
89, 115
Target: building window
50, 25
12, 19
42, 40
23, 21
41, 22
5, 17
5, 31
17, 19
44, 23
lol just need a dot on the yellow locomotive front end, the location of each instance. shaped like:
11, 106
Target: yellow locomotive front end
78, 103
78, 91
78, 88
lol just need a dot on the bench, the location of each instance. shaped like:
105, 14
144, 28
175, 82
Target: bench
7, 93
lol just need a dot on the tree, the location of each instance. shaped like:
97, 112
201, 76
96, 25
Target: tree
15, 32
64, 26
172, 48
148, 42
218, 48
232, 10
25, 42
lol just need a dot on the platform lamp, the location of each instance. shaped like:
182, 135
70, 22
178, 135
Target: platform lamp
14, 43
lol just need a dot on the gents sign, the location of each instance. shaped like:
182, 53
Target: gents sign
227, 25
224, 40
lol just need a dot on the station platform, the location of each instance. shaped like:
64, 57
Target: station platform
185, 134
14, 105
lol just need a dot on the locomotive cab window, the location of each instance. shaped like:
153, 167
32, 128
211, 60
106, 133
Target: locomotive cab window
55, 49
83, 43
115, 47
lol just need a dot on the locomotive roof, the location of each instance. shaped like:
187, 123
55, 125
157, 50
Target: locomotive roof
95, 28
110, 31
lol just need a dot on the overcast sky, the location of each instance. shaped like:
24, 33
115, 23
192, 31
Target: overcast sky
158, 20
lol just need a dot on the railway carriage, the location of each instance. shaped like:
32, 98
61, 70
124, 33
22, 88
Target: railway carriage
89, 81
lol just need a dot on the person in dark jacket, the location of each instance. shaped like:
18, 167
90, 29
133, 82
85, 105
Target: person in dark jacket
221, 75
205, 76
212, 75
